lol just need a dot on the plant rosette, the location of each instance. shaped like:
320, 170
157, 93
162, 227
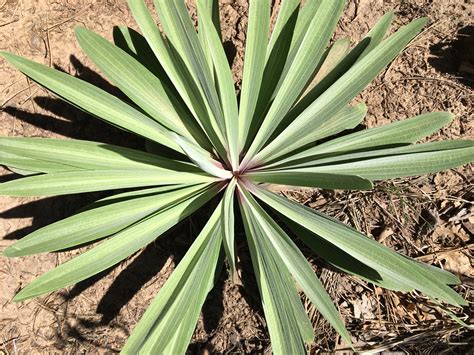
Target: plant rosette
297, 89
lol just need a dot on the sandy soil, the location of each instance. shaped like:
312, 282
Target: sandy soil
430, 218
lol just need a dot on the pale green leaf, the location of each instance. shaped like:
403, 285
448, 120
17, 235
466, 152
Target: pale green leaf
377, 33
287, 321
176, 70
305, 62
86, 155
401, 165
99, 222
225, 85
335, 54
346, 118
115, 249
93, 100
372, 39
298, 133
18, 163
228, 227
55, 184
169, 322
323, 181
182, 36
367, 251
289, 254
254, 64
368, 143
400, 132
203, 159
135, 45
277, 54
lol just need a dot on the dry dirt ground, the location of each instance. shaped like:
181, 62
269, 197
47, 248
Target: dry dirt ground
429, 217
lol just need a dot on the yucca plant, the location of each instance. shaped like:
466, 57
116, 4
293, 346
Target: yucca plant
214, 144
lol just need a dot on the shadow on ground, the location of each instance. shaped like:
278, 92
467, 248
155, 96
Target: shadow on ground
456, 56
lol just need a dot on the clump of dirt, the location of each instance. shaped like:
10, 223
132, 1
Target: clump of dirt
429, 218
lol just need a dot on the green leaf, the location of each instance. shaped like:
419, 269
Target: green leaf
372, 39
347, 118
211, 9
392, 166
56, 184
341, 260
86, 155
277, 54
131, 77
377, 33
296, 30
99, 222
183, 37
323, 181
401, 132
284, 28
345, 262
333, 57
305, 62
378, 140
176, 70
225, 84
287, 321
305, 16
254, 64
298, 133
19, 163
22, 172
289, 254
228, 227
367, 251
115, 249
169, 322
93, 100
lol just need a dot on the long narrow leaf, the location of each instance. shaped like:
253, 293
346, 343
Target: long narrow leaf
176, 308
377, 33
131, 77
93, 100
373, 141
323, 181
305, 62
338, 95
56, 184
182, 35
228, 227
396, 133
362, 248
19, 163
347, 118
113, 250
175, 69
135, 45
254, 65
371, 40
98, 222
225, 84
89, 155
288, 324
335, 54
401, 165
291, 256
